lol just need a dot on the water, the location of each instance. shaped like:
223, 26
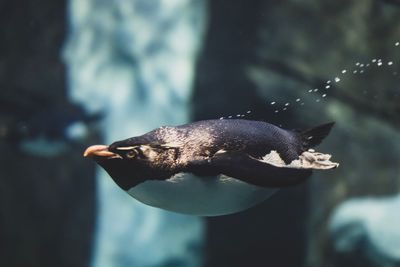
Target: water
383, 69
141, 80
75, 73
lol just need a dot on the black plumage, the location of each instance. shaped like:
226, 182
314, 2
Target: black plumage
238, 149
193, 148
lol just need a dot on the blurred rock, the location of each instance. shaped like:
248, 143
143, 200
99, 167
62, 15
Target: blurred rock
47, 205
367, 229
272, 233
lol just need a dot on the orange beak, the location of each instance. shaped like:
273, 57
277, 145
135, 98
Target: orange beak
99, 151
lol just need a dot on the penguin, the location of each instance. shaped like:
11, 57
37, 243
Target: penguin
212, 167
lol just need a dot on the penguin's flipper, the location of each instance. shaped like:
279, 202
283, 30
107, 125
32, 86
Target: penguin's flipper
253, 171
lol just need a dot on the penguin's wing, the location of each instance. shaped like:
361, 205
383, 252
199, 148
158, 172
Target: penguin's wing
244, 167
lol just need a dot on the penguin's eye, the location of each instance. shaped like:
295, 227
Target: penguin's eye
131, 154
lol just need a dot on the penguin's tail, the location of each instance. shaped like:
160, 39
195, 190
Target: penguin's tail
314, 136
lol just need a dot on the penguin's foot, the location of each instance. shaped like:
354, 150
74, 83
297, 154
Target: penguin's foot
307, 160
314, 160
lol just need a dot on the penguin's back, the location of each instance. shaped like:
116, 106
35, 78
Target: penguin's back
255, 138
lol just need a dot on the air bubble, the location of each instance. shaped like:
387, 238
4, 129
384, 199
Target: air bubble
273, 103
276, 111
328, 82
238, 115
284, 109
221, 118
379, 63
310, 90
344, 71
355, 71
361, 65
316, 90
328, 86
361, 71
248, 112
397, 44
317, 100
302, 104
374, 60
229, 117
298, 100
358, 64
324, 95
390, 63
287, 104
337, 79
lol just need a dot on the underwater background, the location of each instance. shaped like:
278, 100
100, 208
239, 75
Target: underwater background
80, 72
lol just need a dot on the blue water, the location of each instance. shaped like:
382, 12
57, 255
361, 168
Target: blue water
128, 60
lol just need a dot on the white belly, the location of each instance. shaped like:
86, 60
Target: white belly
203, 196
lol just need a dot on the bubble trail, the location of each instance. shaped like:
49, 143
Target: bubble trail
320, 95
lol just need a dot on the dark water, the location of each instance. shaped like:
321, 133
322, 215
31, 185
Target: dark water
88, 71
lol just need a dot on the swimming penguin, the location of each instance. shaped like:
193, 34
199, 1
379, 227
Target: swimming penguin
212, 167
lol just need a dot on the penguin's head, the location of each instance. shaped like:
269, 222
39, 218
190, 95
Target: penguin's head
123, 165
127, 164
